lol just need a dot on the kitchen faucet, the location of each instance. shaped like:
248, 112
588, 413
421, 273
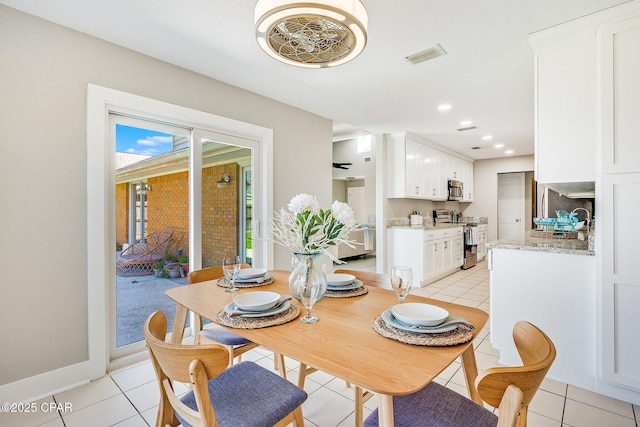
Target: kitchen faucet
588, 218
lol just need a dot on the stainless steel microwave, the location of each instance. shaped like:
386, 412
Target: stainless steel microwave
455, 190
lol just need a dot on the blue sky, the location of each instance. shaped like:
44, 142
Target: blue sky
142, 141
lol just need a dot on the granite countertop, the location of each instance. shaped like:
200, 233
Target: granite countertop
428, 227
528, 243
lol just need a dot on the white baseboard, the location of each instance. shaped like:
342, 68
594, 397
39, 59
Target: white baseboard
46, 384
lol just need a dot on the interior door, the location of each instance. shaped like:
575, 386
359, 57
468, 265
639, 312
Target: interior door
356, 199
511, 204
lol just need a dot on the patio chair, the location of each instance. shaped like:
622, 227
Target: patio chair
139, 258
441, 407
244, 394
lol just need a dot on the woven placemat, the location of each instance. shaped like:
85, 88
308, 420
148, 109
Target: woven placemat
362, 290
460, 335
240, 322
223, 283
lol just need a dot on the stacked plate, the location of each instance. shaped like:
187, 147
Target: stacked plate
342, 282
253, 275
419, 318
257, 304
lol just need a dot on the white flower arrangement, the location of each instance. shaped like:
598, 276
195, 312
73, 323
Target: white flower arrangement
306, 228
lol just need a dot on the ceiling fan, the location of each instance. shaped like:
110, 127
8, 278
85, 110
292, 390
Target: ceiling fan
341, 165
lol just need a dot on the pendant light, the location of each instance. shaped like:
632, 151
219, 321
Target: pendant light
311, 34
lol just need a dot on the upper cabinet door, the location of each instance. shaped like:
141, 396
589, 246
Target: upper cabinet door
565, 117
620, 82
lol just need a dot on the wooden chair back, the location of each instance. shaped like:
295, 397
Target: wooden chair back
537, 353
210, 273
369, 278
194, 364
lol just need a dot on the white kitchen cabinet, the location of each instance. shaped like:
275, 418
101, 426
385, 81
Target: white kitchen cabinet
617, 202
620, 68
418, 170
483, 229
565, 112
443, 251
557, 293
431, 253
437, 164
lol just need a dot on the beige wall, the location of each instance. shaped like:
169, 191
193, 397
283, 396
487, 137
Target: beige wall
485, 187
44, 76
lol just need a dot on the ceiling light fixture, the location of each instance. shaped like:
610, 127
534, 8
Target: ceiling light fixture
465, 122
487, 137
311, 34
498, 146
508, 152
444, 107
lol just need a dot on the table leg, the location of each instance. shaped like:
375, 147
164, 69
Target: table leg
470, 370
179, 323
385, 410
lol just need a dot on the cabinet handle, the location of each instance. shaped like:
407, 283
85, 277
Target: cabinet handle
417, 189
455, 174
433, 192
435, 247
445, 245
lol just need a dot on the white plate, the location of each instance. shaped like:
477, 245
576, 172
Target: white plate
355, 285
256, 300
340, 279
264, 278
416, 313
251, 273
389, 320
231, 306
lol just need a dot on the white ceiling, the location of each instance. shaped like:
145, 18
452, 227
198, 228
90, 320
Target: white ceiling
487, 74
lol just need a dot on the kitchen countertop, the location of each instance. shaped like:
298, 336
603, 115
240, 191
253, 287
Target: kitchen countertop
528, 243
428, 227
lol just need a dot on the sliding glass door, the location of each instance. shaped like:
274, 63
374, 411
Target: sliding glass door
184, 199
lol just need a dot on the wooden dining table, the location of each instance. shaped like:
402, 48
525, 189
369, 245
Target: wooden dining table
343, 342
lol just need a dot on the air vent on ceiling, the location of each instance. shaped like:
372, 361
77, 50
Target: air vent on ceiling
426, 54
476, 148
467, 128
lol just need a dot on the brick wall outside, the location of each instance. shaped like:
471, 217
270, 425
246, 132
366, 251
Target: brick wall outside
168, 207
122, 214
220, 214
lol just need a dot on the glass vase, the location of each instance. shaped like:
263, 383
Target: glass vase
307, 283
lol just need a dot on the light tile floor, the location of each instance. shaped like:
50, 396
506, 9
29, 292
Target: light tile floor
128, 397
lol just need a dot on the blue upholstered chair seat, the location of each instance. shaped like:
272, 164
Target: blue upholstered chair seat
247, 395
223, 336
436, 406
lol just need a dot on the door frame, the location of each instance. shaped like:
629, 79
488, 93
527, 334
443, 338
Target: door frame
101, 196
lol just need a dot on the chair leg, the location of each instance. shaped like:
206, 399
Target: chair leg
278, 364
197, 327
299, 419
304, 370
361, 396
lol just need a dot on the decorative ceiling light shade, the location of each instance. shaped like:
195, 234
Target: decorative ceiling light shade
311, 34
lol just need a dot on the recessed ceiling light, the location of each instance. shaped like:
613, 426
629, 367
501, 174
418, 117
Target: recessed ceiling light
487, 137
465, 122
508, 152
498, 146
444, 107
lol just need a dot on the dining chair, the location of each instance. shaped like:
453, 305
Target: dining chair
221, 395
236, 344
360, 395
449, 409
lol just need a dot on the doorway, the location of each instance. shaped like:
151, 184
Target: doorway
511, 204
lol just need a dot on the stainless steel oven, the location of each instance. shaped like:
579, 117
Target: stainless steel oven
456, 190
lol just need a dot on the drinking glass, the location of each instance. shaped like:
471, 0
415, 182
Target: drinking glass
401, 278
231, 268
